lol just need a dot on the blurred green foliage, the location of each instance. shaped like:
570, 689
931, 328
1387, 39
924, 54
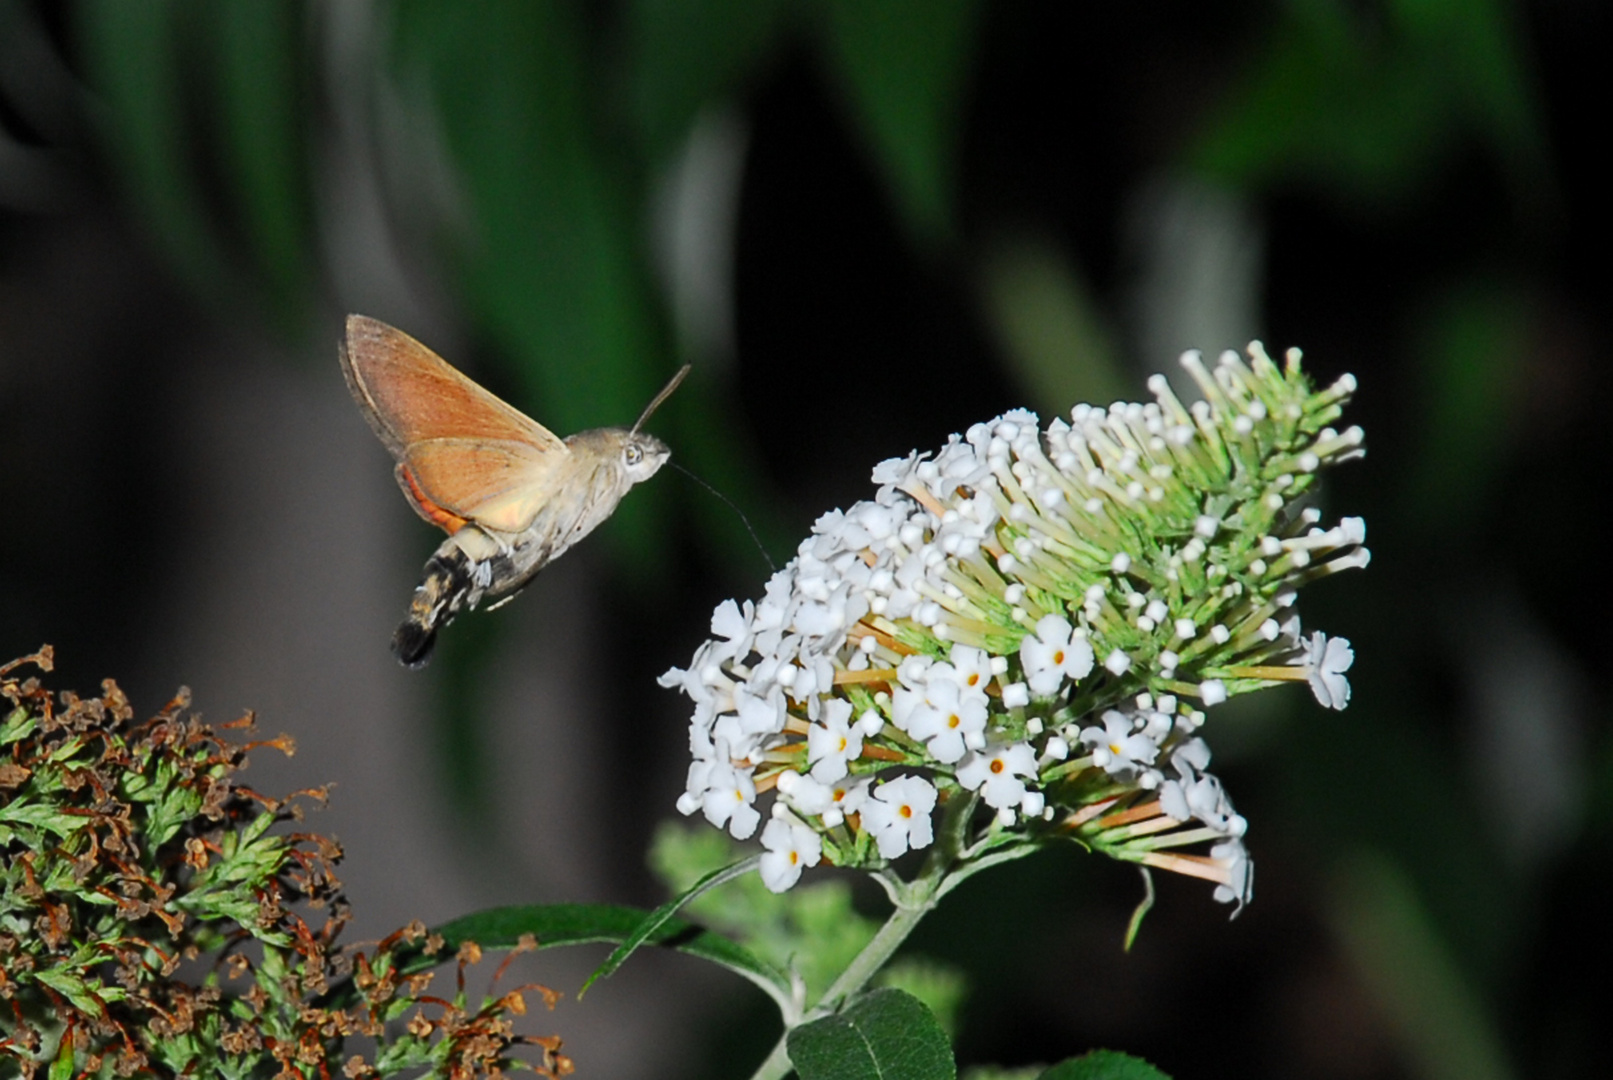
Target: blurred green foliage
1365, 103
557, 122
904, 65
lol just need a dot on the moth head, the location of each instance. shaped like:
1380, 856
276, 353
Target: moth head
642, 456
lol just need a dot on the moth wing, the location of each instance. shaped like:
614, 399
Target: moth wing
460, 447
495, 483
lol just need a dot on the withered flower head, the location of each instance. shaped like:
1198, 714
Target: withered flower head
127, 847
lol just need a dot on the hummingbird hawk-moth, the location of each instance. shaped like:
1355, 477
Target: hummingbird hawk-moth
511, 495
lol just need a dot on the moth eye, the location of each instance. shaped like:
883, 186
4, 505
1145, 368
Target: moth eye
633, 455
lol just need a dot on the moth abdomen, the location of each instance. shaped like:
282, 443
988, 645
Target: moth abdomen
451, 582
413, 641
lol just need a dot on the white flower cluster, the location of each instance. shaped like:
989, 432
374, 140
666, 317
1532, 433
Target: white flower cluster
1036, 617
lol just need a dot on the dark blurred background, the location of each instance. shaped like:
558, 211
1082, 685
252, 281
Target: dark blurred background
867, 225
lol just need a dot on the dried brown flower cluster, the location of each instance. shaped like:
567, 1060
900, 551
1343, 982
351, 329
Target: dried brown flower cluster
131, 857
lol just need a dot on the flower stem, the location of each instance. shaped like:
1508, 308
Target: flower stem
777, 1066
914, 900
917, 901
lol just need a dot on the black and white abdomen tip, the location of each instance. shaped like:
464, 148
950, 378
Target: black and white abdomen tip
451, 581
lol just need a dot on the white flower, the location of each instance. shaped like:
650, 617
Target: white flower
1201, 798
954, 553
846, 797
728, 800
696, 786
833, 742
1115, 747
1049, 655
760, 715
973, 669
1240, 870
701, 746
1191, 757
957, 465
827, 618
909, 695
879, 522
752, 722
733, 625
804, 794
790, 847
1326, 661
895, 470
997, 774
898, 814
703, 682
947, 716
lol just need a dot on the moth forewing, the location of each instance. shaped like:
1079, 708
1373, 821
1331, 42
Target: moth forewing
463, 453
409, 394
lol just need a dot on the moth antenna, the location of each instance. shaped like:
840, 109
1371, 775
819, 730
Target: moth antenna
757, 540
665, 393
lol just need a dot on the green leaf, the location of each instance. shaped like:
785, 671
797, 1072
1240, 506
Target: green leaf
1474, 346
61, 1068
1364, 105
1103, 1065
43, 815
686, 53
657, 918
72, 986
133, 59
1050, 326
258, 81
941, 986
581, 924
887, 1035
555, 925
903, 64
1144, 906
1445, 1027
19, 724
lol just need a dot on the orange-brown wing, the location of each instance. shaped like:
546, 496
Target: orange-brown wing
458, 447
498, 484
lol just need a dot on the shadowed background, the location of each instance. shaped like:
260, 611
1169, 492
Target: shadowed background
867, 225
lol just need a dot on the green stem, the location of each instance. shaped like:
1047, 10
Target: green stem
913, 901
777, 1066
917, 900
